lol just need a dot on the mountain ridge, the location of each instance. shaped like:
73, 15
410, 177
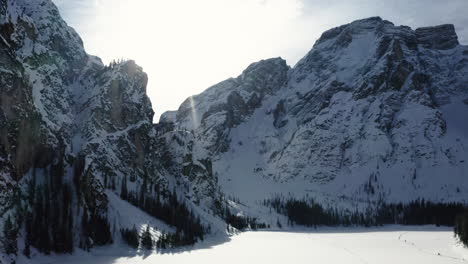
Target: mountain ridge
372, 113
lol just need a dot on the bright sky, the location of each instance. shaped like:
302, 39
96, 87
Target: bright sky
186, 46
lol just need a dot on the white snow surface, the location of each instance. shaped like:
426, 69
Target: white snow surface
384, 245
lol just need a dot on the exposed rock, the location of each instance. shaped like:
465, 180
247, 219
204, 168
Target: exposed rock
438, 37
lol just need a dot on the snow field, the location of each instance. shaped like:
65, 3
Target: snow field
383, 245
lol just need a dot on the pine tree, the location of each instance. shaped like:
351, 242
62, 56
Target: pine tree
106, 185
146, 240
67, 220
141, 199
124, 191
130, 236
27, 249
29, 236
86, 233
9, 237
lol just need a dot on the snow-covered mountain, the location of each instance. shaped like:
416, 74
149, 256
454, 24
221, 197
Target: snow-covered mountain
373, 112
70, 128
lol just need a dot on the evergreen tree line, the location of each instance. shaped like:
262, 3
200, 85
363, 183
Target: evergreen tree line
309, 213
174, 240
241, 222
48, 216
146, 239
114, 63
165, 241
95, 231
45, 210
461, 227
10, 233
131, 237
170, 210
238, 221
95, 228
12, 225
49, 225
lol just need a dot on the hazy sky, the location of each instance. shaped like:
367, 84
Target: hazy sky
186, 46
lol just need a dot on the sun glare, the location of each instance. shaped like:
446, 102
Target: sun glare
187, 46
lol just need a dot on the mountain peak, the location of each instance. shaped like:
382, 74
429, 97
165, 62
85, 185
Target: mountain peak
370, 20
268, 68
435, 37
344, 33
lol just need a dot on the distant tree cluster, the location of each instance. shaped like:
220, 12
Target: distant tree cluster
130, 236
165, 241
10, 232
48, 217
169, 209
419, 212
146, 239
241, 222
95, 229
461, 227
45, 210
173, 240
49, 226
309, 213
114, 63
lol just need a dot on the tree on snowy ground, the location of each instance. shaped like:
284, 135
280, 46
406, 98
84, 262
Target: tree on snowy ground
461, 227
146, 240
29, 237
162, 241
278, 223
123, 191
27, 249
9, 237
130, 236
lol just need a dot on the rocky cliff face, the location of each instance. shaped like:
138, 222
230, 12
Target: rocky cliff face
69, 122
372, 111
34, 45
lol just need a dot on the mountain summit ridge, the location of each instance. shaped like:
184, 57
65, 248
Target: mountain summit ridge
368, 96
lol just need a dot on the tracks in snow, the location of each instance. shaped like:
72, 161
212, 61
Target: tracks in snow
425, 251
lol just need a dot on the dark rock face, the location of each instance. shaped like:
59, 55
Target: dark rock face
439, 37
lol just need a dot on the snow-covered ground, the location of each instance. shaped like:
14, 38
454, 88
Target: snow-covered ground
390, 244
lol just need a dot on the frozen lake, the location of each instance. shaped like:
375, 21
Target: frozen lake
391, 244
